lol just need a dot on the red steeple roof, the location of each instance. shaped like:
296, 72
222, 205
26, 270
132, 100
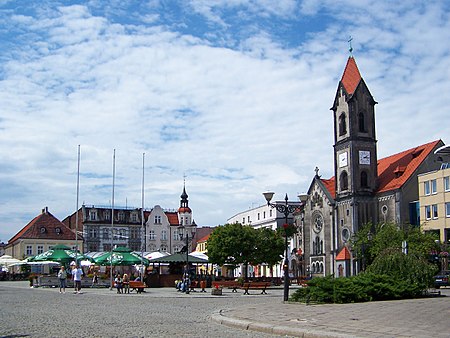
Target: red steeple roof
351, 77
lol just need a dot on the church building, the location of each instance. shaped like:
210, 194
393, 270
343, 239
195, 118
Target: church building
364, 188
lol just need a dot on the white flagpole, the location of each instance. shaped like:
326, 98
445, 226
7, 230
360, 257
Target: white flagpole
112, 219
142, 220
76, 210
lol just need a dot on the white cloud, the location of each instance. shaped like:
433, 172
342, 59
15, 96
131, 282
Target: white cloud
237, 113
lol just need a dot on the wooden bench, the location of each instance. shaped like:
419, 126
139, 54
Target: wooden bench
138, 286
230, 284
255, 286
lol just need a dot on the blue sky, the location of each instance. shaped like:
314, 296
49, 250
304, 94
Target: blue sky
234, 94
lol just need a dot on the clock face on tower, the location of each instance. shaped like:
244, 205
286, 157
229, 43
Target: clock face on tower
364, 157
343, 160
318, 224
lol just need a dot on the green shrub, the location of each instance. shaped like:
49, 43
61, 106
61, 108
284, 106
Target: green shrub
361, 288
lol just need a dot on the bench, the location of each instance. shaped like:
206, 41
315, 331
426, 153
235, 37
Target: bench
230, 284
138, 286
255, 286
198, 284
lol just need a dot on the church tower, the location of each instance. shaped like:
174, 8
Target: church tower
184, 212
355, 155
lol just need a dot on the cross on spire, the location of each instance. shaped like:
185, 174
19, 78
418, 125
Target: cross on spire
350, 48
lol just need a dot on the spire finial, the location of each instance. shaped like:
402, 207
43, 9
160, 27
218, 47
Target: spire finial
350, 48
317, 171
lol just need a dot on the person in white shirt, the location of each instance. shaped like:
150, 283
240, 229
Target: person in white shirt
77, 273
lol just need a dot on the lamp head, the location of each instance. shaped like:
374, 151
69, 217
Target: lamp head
268, 196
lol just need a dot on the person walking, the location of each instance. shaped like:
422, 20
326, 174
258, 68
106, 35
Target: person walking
62, 277
77, 273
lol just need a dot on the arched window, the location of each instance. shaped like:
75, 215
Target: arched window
344, 181
361, 122
364, 183
342, 125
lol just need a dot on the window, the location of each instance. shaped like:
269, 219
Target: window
58, 230
342, 125
435, 211
176, 235
43, 230
133, 217
164, 235
364, 179
426, 186
107, 215
447, 183
361, 123
258, 216
40, 249
92, 215
447, 209
264, 214
270, 213
29, 251
433, 187
243, 220
121, 217
93, 233
105, 233
158, 219
428, 212
151, 235
248, 217
163, 248
344, 181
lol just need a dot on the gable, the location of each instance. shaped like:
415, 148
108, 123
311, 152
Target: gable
44, 226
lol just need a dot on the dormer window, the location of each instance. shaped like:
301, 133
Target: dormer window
58, 231
43, 230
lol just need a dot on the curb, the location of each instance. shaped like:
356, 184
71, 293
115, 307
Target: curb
220, 318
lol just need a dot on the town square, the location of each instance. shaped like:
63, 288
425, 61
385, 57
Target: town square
216, 168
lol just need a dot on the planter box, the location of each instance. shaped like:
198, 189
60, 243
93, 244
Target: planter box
216, 292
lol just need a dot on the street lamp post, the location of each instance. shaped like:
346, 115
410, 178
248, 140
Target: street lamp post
184, 233
285, 209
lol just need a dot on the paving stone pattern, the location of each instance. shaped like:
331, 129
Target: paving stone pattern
164, 312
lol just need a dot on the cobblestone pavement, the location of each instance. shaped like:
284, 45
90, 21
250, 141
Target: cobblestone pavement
44, 312
163, 312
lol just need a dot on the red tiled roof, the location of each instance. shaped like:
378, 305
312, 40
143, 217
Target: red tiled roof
351, 77
390, 168
173, 218
204, 238
330, 186
343, 255
395, 170
49, 222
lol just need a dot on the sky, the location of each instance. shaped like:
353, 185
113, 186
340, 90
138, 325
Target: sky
231, 96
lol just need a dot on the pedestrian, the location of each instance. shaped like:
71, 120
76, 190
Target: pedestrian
126, 283
118, 282
94, 279
62, 277
77, 273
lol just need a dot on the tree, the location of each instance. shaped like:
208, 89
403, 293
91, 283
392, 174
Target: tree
382, 249
235, 244
232, 244
270, 247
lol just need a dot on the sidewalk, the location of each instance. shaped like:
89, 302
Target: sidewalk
428, 317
